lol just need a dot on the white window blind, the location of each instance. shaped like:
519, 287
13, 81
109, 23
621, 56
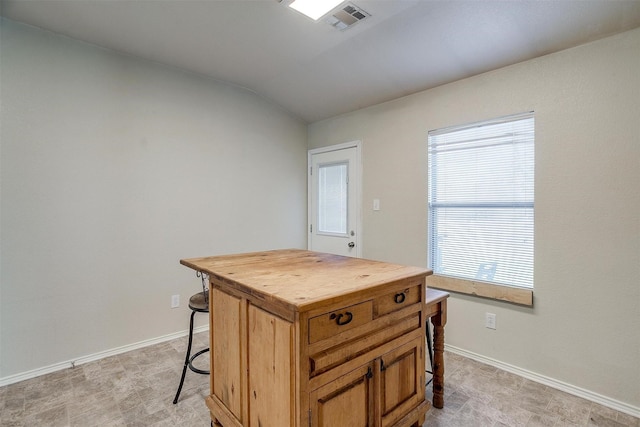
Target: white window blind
332, 198
481, 201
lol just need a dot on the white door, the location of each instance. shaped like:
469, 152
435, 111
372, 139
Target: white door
334, 199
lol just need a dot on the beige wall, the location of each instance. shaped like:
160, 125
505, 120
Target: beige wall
112, 169
584, 329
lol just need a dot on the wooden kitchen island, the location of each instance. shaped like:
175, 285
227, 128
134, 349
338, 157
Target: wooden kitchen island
301, 338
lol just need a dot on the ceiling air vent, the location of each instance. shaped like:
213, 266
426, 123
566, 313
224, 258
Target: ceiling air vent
347, 16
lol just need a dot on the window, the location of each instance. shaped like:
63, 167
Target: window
332, 198
481, 201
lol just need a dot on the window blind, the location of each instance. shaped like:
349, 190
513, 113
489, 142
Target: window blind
481, 201
332, 198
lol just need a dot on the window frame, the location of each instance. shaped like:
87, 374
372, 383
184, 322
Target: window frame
499, 291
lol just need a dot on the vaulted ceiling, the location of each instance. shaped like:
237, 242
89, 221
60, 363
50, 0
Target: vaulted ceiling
316, 71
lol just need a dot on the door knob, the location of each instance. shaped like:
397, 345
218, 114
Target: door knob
351, 244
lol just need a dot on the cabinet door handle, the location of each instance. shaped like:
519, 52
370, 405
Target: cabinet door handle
399, 298
339, 317
382, 367
369, 374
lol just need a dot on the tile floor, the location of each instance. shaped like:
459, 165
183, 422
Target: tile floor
137, 389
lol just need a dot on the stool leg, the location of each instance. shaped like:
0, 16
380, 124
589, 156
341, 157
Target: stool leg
429, 344
186, 359
430, 350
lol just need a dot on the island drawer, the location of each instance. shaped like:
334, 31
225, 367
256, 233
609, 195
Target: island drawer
338, 321
397, 300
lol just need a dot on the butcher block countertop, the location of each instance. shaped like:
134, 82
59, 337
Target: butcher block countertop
300, 280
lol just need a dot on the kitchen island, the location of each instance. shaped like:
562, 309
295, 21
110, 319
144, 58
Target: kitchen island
301, 338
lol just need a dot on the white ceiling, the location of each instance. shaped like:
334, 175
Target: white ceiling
315, 71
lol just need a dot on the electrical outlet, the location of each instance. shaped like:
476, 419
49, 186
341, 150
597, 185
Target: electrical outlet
175, 301
490, 320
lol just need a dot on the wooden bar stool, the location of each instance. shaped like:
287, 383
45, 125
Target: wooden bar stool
198, 303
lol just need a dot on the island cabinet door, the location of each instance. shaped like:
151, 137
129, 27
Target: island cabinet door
271, 370
401, 381
346, 401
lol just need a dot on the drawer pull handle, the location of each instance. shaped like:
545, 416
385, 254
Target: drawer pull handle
339, 317
399, 298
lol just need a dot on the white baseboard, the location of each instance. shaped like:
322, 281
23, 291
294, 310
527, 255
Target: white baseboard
551, 382
11, 379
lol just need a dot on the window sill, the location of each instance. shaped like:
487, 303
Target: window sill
510, 294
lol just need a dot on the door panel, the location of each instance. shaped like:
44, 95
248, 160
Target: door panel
401, 381
226, 355
347, 401
334, 200
271, 388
